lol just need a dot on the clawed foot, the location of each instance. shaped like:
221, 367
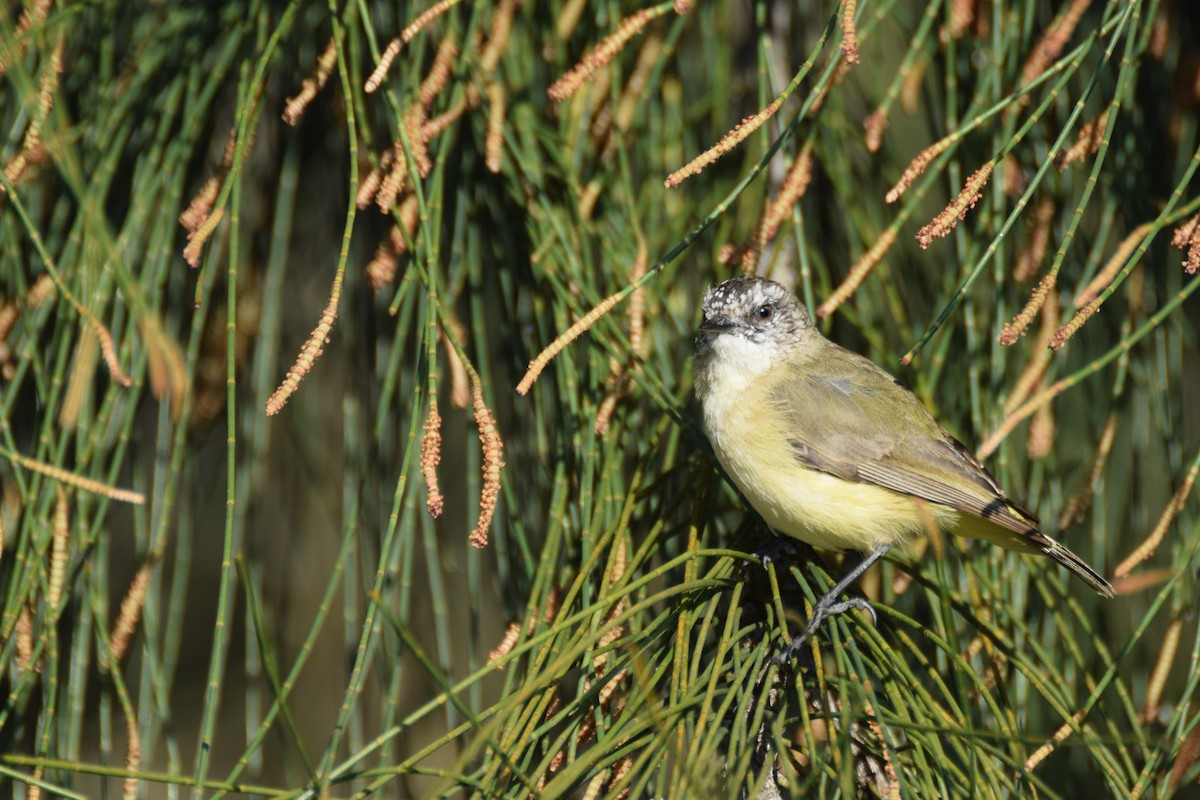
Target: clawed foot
775, 548
826, 608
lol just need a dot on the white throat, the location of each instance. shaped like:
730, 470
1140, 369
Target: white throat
735, 362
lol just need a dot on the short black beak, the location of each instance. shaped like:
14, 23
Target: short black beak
718, 323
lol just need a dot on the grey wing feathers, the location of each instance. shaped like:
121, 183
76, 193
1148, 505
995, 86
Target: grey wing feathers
851, 419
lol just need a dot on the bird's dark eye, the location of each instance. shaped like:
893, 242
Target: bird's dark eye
765, 311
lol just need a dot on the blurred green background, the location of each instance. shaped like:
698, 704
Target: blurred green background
281, 615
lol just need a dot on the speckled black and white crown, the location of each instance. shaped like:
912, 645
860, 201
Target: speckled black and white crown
742, 301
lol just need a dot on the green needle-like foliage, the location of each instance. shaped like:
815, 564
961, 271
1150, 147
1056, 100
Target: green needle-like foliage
379, 569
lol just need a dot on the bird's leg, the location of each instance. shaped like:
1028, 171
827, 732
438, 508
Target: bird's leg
829, 605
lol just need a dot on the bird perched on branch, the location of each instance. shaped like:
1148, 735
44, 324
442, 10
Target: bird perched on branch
831, 450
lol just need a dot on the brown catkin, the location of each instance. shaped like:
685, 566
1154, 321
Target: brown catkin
369, 185
1113, 266
1080, 502
197, 238
59, 548
1041, 433
309, 353
558, 345
1187, 236
795, 185
431, 456
911, 85
1013, 181
201, 205
1090, 137
568, 17
619, 772
406, 36
502, 19
1052, 42
873, 128
849, 35
23, 636
729, 141
41, 291
511, 634
9, 314
493, 462
1031, 376
381, 269
962, 15
444, 120
859, 272
1014, 330
77, 481
393, 181
954, 213
638, 79
133, 758
1060, 735
130, 613
608, 48
494, 143
917, 167
1082, 315
1030, 257
1159, 533
439, 71
311, 85
1162, 671
1183, 234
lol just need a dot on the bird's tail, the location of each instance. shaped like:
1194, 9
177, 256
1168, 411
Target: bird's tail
1072, 562
1031, 540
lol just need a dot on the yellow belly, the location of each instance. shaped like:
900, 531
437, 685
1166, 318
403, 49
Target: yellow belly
814, 507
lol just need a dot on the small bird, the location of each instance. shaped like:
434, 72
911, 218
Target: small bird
831, 450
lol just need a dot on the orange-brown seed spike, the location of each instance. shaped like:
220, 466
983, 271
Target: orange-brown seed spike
309, 353
1030, 257
431, 456
858, 273
574, 332
1091, 134
494, 146
612, 44
406, 36
311, 85
1115, 264
873, 127
729, 141
78, 481
493, 462
1052, 42
130, 612
197, 238
59, 547
849, 35
1016, 329
795, 185
439, 71
1082, 315
954, 213
1059, 737
1159, 533
133, 758
502, 19
917, 167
